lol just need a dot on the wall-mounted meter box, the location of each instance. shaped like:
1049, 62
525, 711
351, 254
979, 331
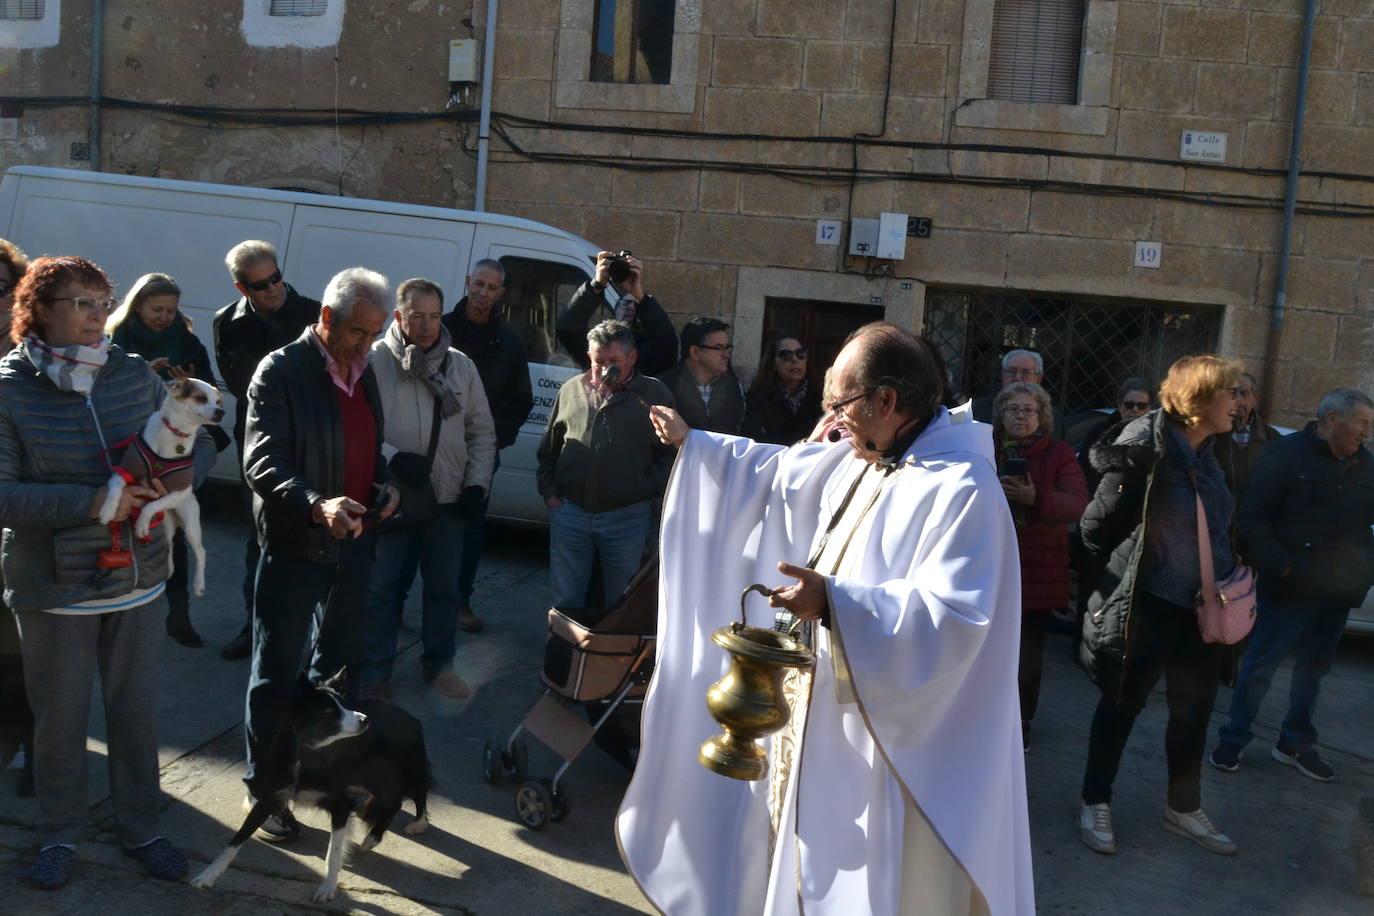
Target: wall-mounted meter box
462, 60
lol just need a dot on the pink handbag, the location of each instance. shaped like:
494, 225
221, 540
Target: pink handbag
1225, 609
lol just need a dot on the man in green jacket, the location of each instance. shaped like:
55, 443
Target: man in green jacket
601, 466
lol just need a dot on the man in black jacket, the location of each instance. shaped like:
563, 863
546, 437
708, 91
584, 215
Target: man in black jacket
477, 330
708, 394
313, 458
1306, 519
269, 315
655, 339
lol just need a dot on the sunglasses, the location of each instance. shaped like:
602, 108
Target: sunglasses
1136, 405
258, 286
86, 305
798, 354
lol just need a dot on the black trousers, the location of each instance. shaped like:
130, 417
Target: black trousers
1033, 626
1164, 639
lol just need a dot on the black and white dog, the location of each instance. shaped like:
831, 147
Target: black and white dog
363, 762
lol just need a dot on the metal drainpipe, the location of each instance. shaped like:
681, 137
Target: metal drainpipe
479, 198
1290, 200
97, 45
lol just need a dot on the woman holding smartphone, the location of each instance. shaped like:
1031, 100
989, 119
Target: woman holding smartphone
1044, 486
150, 322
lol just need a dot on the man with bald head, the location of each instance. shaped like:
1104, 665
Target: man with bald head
898, 783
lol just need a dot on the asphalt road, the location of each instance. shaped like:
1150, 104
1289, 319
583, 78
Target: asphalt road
476, 858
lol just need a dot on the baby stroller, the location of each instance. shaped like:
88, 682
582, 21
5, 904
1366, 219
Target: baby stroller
593, 657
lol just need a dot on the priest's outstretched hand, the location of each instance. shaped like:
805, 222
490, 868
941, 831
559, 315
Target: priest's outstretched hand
807, 599
668, 423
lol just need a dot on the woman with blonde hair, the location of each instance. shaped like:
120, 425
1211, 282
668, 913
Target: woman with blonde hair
1141, 623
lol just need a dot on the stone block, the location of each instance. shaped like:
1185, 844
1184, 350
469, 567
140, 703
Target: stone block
762, 111
647, 233
1364, 100
655, 190
1091, 217
1266, 145
801, 18
1235, 91
548, 182
844, 114
691, 289
524, 54
526, 98
757, 63
974, 164
1320, 284
1203, 275
1331, 96
752, 240
1276, 40
525, 14
654, 147
917, 119
959, 257
939, 22
1308, 383
829, 66
564, 216
1138, 28
865, 20
1308, 335
1338, 148
1244, 333
1222, 227
1192, 33
1157, 84
1334, 237
965, 206
719, 191
919, 69
766, 195
1046, 262
1354, 340
872, 199
723, 17
1357, 44
1117, 172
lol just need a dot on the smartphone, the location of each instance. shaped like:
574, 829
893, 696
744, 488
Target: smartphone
1015, 467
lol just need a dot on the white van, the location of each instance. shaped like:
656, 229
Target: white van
131, 226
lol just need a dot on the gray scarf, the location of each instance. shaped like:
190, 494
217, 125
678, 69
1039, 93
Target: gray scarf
426, 366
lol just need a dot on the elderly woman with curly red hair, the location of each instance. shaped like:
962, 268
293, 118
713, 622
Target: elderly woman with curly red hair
87, 596
1141, 622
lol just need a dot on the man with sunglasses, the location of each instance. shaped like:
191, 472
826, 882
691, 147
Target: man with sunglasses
708, 393
268, 315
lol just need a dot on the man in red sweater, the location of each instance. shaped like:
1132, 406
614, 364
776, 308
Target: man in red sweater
313, 459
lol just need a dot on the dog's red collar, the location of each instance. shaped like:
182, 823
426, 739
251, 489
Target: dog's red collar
178, 432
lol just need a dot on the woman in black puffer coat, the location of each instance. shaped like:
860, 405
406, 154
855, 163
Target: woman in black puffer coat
1142, 522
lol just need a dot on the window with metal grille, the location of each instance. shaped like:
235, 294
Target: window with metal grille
1036, 49
632, 41
1089, 346
298, 8
22, 9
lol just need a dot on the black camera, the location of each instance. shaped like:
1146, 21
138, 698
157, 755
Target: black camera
618, 268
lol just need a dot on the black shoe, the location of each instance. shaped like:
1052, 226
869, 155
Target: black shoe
1308, 763
241, 645
281, 827
1225, 757
1025, 737
179, 628
160, 859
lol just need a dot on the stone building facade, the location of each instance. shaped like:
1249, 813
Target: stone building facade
779, 114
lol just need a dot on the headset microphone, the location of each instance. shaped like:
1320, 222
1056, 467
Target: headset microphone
833, 435
868, 444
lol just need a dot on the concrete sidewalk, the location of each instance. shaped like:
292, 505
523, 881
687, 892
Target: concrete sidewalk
476, 858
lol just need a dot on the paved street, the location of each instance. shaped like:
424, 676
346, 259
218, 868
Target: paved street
476, 858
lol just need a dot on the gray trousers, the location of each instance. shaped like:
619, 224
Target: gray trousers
61, 655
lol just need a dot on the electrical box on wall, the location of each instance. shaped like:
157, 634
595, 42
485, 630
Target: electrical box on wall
863, 237
462, 60
892, 236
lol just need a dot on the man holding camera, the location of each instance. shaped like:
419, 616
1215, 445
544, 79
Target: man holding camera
655, 339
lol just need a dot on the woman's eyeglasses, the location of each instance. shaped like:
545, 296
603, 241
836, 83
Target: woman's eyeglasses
798, 354
1010, 411
87, 306
258, 286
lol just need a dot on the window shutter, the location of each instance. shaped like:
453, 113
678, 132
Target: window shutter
1036, 48
21, 9
298, 7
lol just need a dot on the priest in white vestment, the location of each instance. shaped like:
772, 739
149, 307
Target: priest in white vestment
898, 787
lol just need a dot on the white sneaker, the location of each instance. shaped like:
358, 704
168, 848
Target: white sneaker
1095, 828
1199, 828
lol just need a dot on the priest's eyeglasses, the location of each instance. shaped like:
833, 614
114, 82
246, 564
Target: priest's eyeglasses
837, 406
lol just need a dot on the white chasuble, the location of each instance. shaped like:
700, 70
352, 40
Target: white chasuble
899, 785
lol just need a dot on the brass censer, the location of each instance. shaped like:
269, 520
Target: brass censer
748, 701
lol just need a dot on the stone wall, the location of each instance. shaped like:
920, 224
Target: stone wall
1011, 219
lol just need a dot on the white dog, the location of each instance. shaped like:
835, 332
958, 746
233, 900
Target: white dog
163, 451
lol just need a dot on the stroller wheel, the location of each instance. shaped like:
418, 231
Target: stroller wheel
534, 804
490, 772
515, 761
562, 804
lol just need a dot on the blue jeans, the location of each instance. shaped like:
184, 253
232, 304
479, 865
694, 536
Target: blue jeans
577, 537
1312, 634
439, 545
289, 618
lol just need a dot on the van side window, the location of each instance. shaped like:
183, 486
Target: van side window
535, 290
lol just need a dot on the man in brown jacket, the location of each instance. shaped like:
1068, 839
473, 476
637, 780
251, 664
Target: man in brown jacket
600, 467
